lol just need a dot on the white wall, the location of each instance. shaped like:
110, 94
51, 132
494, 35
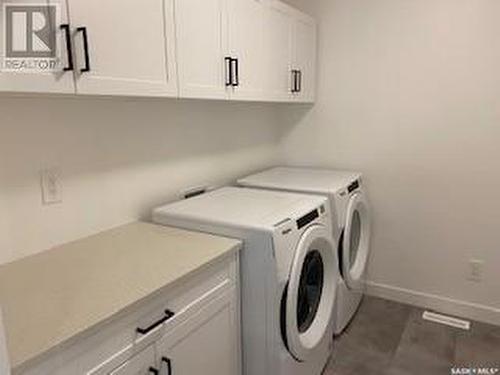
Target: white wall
118, 159
409, 93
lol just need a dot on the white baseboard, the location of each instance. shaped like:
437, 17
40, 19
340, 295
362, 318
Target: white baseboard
463, 309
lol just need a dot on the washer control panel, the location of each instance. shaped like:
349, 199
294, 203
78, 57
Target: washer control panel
310, 217
354, 186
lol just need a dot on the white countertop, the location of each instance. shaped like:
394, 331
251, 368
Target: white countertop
53, 296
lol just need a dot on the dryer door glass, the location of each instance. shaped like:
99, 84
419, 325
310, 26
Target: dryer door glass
310, 289
355, 236
356, 242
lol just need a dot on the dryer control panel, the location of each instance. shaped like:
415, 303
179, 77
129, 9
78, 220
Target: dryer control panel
310, 217
353, 187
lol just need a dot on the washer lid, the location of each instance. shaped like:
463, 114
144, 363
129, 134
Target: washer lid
242, 207
356, 242
310, 297
321, 181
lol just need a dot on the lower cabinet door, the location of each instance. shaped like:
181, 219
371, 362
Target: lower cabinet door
142, 363
206, 343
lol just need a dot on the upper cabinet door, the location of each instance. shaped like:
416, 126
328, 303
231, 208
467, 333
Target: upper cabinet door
278, 26
202, 48
246, 45
124, 47
304, 62
33, 47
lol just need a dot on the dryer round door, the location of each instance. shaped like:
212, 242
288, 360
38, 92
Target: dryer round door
311, 294
356, 242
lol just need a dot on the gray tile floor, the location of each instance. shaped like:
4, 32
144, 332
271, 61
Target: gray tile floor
389, 338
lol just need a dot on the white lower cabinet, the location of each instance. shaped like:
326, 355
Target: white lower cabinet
192, 328
139, 364
204, 344
189, 348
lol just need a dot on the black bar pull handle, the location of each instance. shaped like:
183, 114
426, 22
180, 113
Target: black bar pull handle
236, 65
168, 362
69, 47
299, 79
294, 81
229, 71
154, 371
168, 315
85, 37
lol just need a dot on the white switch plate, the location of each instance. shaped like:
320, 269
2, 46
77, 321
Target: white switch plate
475, 270
51, 186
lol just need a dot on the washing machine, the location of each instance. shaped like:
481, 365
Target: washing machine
351, 223
288, 272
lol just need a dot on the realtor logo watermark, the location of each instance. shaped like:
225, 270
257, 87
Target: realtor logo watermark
30, 37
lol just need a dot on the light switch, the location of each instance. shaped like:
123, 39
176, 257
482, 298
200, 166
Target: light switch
51, 186
475, 272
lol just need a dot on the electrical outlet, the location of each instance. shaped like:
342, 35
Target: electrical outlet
475, 272
51, 186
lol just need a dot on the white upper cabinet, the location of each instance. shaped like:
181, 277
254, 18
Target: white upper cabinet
246, 47
278, 39
255, 50
18, 47
221, 49
304, 58
202, 48
124, 47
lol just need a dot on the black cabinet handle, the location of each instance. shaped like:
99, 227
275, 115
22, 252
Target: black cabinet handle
229, 71
236, 81
168, 361
154, 371
69, 47
83, 30
299, 79
294, 81
168, 315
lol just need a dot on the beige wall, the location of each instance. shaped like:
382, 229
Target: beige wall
118, 158
409, 93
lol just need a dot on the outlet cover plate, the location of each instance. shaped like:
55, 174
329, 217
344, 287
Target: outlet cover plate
475, 272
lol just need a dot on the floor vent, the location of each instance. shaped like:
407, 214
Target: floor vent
447, 320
